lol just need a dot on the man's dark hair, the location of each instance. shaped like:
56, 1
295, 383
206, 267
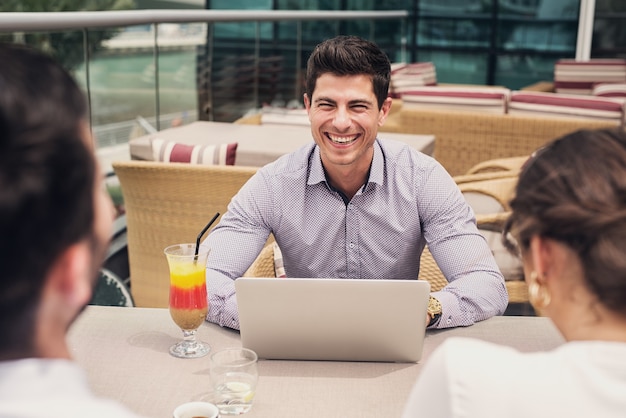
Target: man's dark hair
350, 55
46, 182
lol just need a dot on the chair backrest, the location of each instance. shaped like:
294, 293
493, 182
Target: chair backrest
263, 266
429, 271
110, 290
464, 139
169, 203
491, 226
499, 164
489, 196
469, 178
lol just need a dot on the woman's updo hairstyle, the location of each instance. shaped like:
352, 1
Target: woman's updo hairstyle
574, 190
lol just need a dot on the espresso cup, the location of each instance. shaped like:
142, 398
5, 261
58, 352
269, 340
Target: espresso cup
196, 410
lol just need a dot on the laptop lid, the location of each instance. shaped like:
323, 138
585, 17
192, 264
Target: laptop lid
333, 319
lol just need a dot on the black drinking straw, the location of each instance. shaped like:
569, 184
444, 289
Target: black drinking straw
195, 256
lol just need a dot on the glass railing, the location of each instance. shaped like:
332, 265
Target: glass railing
147, 70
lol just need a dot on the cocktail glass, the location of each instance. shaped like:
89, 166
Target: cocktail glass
188, 297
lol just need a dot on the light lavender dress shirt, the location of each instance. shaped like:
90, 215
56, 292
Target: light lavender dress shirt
409, 201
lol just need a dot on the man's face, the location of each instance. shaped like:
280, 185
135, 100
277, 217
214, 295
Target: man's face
344, 119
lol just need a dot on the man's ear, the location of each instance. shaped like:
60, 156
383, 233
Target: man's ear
384, 111
70, 279
307, 102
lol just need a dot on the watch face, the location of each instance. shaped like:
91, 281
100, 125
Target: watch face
434, 306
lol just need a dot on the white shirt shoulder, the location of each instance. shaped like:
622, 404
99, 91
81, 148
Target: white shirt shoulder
472, 378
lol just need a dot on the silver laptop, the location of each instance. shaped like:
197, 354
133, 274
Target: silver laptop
333, 319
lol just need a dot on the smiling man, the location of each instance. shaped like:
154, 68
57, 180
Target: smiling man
353, 205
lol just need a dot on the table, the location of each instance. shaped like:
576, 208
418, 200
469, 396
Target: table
257, 144
125, 353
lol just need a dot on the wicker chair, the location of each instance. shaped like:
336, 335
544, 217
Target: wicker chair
263, 266
429, 270
489, 196
490, 201
512, 164
469, 178
168, 203
464, 139
517, 288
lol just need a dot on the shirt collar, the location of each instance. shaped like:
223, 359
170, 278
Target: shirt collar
377, 169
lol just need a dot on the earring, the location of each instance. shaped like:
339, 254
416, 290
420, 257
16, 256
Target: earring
538, 295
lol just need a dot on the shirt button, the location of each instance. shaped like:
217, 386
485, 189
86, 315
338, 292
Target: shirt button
351, 245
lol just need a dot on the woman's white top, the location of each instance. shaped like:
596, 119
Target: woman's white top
471, 378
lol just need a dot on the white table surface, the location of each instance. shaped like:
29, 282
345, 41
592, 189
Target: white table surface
257, 144
125, 353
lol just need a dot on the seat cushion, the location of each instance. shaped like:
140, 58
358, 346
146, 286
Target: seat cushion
176, 152
541, 104
405, 77
279, 265
284, 116
579, 77
474, 99
614, 90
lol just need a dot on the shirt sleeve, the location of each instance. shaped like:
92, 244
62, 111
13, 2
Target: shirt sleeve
234, 245
476, 289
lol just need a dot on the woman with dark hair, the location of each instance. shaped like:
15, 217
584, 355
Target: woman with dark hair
568, 224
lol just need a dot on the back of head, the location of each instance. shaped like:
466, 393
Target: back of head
46, 181
574, 191
346, 56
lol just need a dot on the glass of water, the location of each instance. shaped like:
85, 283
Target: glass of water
234, 377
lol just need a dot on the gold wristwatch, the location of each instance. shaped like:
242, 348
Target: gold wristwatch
434, 310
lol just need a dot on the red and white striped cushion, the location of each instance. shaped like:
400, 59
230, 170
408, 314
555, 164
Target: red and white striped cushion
284, 116
615, 90
566, 106
476, 99
279, 266
176, 152
405, 77
579, 77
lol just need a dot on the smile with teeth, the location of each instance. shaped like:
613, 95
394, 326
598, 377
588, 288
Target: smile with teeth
342, 139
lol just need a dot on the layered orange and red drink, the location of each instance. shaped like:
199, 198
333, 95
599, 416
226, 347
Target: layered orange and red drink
188, 294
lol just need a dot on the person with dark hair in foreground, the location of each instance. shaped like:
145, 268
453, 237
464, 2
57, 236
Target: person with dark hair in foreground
55, 223
352, 205
568, 223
